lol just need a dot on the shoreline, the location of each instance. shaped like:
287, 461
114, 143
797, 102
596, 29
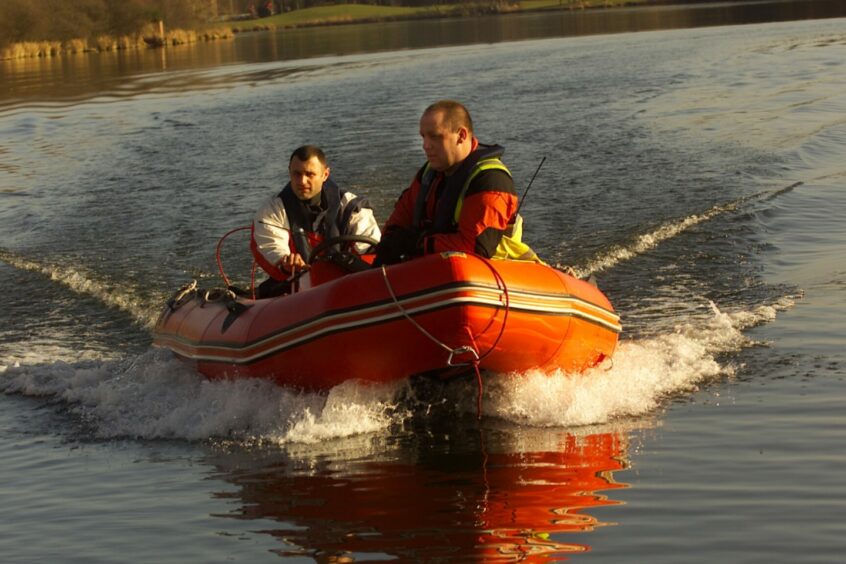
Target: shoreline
108, 44
322, 17
153, 36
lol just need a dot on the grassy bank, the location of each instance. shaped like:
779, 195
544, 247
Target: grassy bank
363, 13
151, 35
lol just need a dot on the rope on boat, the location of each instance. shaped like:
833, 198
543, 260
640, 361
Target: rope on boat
500, 281
220, 262
214, 295
178, 298
452, 352
464, 349
480, 389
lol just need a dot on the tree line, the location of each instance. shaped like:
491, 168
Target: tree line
61, 20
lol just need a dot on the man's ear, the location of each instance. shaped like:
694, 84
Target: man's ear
462, 134
326, 173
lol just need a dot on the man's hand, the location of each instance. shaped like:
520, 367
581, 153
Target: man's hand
292, 262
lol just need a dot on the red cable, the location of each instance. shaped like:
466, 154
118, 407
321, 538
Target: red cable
500, 282
217, 253
479, 398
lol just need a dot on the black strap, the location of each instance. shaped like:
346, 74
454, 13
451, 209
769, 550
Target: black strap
299, 216
451, 190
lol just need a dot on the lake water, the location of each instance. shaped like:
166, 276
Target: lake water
698, 173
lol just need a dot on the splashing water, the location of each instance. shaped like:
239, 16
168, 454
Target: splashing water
643, 373
157, 396
154, 395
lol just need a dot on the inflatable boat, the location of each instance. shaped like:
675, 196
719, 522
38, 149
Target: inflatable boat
439, 315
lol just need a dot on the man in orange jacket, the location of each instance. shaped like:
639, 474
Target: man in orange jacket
462, 199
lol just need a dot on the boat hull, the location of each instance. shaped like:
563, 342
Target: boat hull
435, 315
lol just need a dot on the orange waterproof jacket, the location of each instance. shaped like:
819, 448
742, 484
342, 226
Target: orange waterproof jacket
468, 210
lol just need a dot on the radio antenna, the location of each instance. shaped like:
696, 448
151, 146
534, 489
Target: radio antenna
526, 193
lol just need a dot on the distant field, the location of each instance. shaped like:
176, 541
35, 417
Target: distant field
341, 13
528, 5
346, 13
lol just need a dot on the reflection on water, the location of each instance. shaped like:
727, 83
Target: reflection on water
494, 502
128, 73
127, 200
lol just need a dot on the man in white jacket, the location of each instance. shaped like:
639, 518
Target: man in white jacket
309, 209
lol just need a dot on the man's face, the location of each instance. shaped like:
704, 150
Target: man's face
445, 149
307, 177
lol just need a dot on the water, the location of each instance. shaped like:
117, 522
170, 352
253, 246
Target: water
697, 173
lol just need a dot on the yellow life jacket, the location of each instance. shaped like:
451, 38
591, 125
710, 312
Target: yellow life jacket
511, 246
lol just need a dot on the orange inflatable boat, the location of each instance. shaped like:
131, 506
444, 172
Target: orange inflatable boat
440, 315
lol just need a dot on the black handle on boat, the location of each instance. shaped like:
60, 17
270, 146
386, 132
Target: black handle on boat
526, 193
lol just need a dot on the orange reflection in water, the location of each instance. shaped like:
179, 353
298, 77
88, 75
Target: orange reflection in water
535, 495
477, 505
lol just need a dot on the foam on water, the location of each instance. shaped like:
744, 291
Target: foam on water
643, 374
155, 396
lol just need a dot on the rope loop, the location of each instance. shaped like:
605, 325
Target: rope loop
413, 322
463, 350
182, 295
220, 261
215, 295
466, 348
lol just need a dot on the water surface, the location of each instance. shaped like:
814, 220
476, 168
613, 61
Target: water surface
697, 173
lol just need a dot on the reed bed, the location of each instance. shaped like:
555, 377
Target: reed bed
149, 37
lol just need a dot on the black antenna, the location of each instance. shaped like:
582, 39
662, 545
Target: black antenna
523, 199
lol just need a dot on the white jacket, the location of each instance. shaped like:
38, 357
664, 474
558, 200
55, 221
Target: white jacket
271, 229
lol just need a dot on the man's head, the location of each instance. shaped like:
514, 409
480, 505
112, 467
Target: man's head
447, 133
308, 171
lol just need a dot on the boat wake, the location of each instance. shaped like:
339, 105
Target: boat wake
648, 241
112, 294
155, 396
